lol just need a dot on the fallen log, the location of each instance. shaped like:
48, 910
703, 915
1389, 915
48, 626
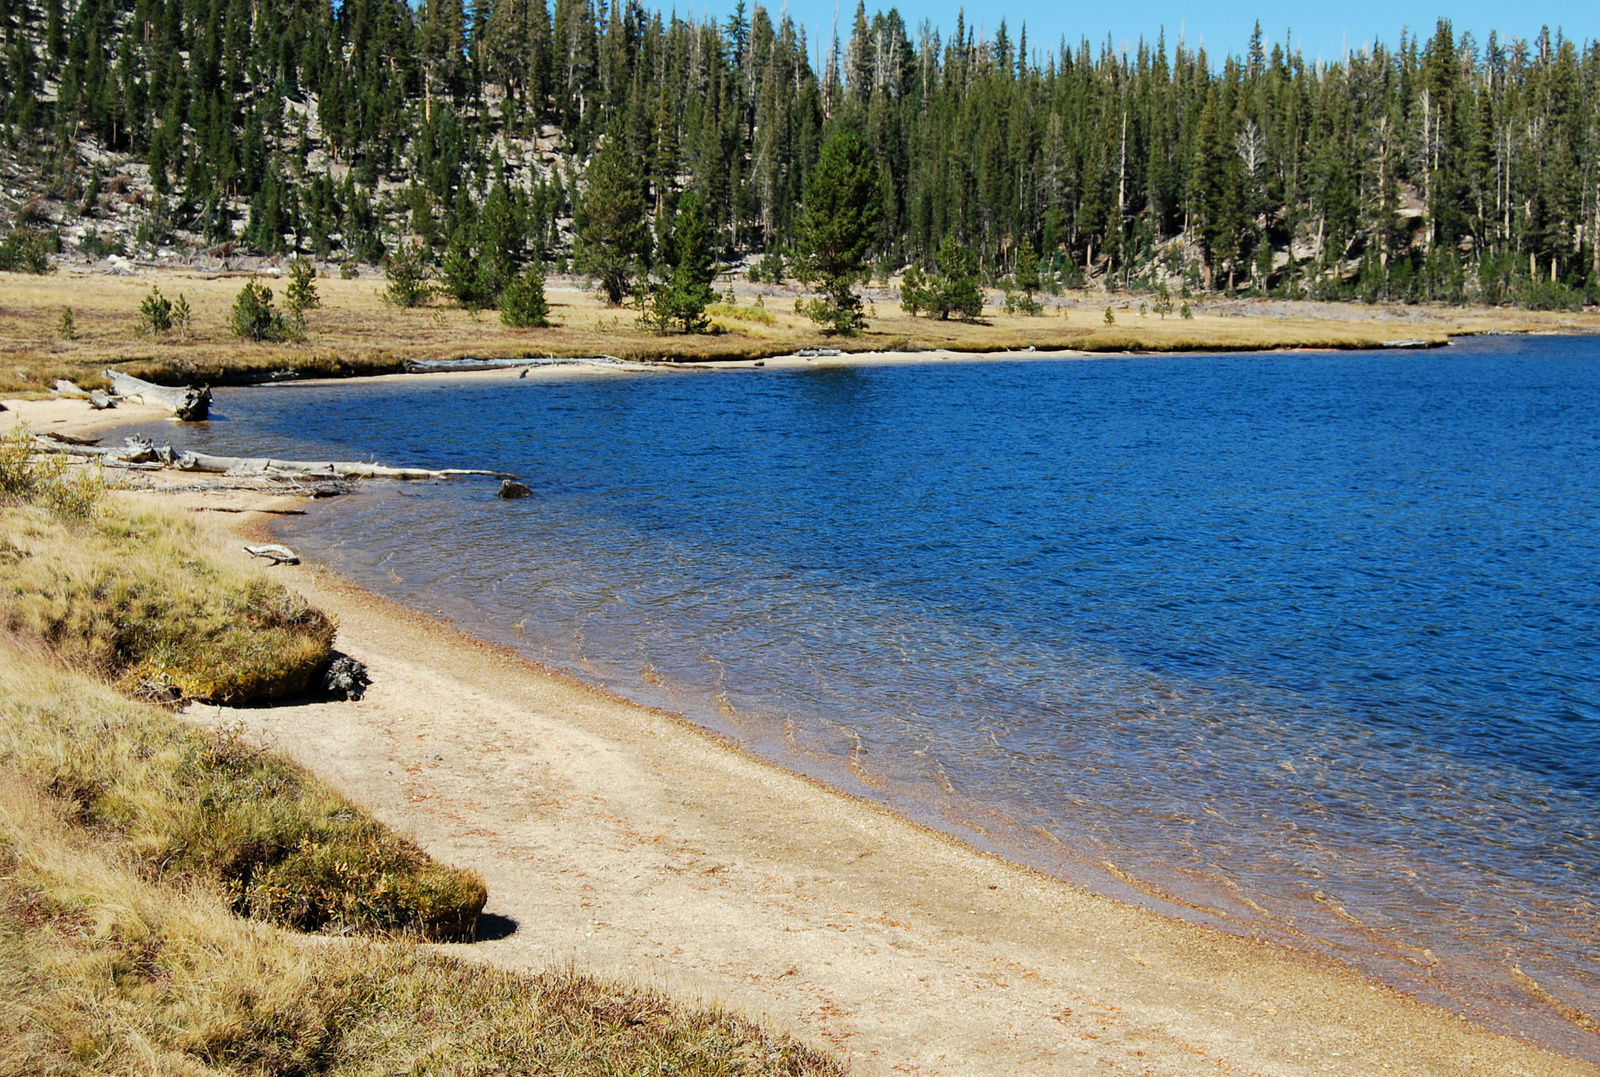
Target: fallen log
190, 405
69, 439
136, 451
454, 366
278, 555
339, 469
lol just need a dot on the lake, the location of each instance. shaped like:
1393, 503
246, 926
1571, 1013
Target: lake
1302, 646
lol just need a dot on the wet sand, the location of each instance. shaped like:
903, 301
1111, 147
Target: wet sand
629, 843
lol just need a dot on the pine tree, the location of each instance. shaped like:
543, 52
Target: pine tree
836, 229
680, 299
613, 237
523, 304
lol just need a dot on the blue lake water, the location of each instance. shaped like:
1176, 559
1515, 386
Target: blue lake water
1301, 646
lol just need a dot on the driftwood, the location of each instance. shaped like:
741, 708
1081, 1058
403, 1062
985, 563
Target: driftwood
452, 366
317, 469
190, 405
278, 555
70, 439
136, 452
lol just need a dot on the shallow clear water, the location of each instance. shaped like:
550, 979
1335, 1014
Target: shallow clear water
1302, 646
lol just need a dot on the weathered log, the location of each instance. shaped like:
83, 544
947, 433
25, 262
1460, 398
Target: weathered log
339, 469
191, 405
43, 443
272, 551
69, 439
455, 366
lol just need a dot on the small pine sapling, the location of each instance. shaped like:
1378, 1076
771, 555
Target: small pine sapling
255, 318
155, 313
300, 295
523, 304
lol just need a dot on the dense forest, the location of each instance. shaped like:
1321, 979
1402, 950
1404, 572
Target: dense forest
1439, 168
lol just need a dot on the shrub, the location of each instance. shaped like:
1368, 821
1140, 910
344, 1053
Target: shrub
769, 268
1549, 295
69, 324
1021, 303
255, 318
27, 477
522, 304
27, 250
349, 269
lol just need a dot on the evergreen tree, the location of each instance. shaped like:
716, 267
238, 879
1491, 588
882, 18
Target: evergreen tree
523, 304
612, 234
680, 299
836, 229
954, 289
1432, 169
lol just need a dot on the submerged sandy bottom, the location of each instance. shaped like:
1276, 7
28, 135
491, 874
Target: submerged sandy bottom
630, 843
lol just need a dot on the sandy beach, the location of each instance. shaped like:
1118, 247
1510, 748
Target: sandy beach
629, 843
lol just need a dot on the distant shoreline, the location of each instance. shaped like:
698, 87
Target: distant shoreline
354, 334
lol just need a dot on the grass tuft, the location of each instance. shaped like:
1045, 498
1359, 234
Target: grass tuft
105, 971
132, 595
271, 839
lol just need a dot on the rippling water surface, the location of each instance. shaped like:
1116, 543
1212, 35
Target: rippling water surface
1302, 646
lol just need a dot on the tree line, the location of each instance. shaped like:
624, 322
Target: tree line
484, 139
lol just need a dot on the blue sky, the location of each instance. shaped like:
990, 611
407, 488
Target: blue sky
1319, 28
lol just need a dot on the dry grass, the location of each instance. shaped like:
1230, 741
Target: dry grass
105, 971
131, 594
272, 840
354, 332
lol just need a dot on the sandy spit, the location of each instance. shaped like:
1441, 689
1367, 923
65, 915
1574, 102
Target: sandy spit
626, 841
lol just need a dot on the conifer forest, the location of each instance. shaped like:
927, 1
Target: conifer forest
482, 140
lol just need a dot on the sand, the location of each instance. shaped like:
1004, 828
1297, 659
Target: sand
629, 843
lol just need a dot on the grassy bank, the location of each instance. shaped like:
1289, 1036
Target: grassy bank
130, 598
195, 806
106, 971
154, 875
130, 594
354, 333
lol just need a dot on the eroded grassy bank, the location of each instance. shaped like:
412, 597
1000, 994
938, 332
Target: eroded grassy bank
106, 971
156, 878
